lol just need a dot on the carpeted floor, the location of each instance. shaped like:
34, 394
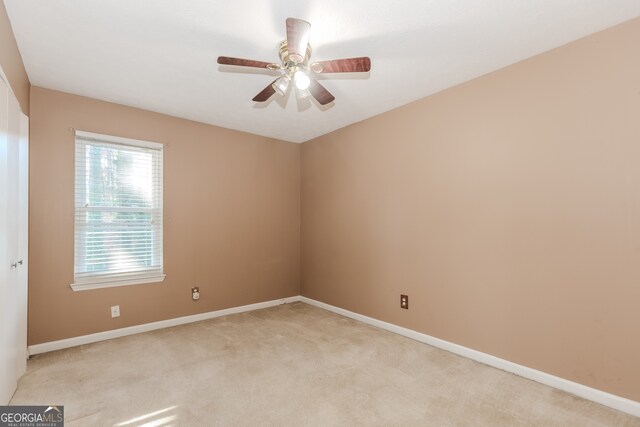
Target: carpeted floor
290, 365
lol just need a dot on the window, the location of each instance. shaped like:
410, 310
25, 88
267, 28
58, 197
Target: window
118, 212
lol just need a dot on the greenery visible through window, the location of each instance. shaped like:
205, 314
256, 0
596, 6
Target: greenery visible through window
118, 210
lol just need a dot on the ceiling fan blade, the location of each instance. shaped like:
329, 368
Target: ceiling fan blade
266, 93
322, 95
348, 65
297, 38
226, 60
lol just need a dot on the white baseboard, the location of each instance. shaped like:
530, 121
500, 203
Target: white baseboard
131, 330
607, 399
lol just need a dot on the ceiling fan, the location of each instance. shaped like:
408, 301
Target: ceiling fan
295, 53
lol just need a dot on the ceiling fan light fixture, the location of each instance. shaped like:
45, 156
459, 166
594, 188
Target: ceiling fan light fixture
301, 80
281, 85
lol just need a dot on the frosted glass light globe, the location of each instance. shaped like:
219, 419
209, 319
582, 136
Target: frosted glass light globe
301, 80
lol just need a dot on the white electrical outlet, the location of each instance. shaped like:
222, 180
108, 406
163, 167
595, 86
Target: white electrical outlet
115, 311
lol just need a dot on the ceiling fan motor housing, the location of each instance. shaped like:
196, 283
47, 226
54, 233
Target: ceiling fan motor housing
289, 62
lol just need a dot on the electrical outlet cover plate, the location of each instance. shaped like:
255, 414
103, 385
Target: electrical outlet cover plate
115, 311
404, 302
195, 294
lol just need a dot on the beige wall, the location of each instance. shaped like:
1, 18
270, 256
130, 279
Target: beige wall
507, 208
231, 215
11, 61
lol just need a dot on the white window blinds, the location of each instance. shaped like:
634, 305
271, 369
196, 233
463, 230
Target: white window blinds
118, 211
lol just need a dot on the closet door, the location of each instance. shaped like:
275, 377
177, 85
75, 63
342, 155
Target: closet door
13, 212
23, 243
12, 262
8, 359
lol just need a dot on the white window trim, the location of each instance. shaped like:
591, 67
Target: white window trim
124, 279
103, 138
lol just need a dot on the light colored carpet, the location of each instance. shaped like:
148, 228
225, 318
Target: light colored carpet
290, 365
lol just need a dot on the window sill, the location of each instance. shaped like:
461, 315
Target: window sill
115, 283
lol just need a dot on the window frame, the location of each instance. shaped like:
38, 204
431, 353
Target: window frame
84, 281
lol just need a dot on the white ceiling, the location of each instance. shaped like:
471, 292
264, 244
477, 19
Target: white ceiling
160, 55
